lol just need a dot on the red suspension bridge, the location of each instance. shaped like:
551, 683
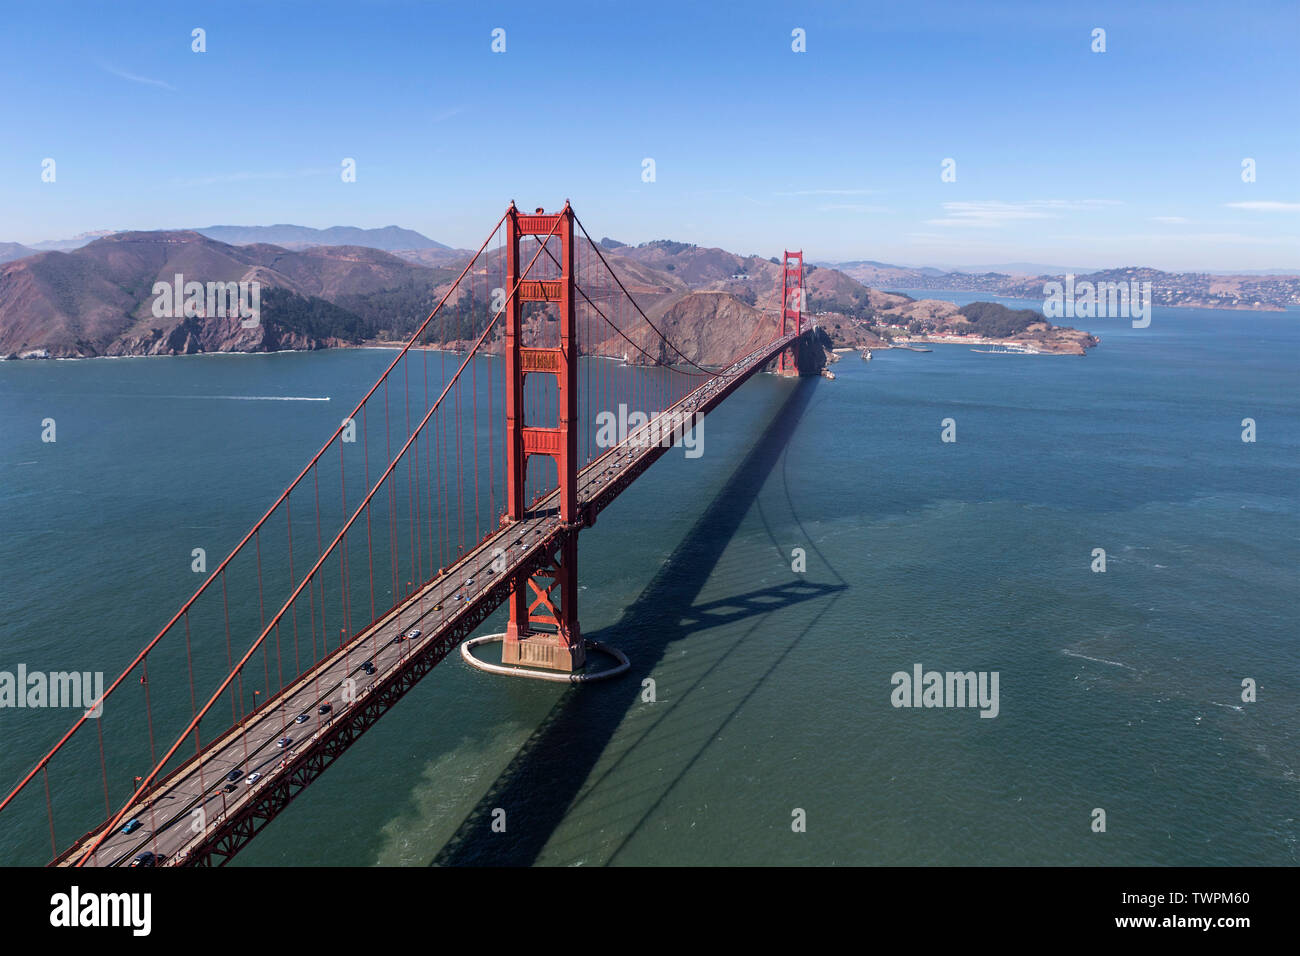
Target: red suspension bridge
457, 484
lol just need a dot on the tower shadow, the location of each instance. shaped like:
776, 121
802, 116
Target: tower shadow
540, 784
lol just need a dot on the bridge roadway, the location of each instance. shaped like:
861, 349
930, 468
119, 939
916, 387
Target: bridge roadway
193, 797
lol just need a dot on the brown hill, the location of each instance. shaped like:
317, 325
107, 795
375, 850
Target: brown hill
98, 300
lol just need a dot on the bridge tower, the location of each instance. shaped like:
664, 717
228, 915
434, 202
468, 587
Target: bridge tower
543, 629
792, 304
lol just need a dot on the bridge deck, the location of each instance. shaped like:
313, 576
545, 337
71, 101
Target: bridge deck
446, 610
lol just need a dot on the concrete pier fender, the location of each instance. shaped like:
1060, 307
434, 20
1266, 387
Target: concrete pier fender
467, 652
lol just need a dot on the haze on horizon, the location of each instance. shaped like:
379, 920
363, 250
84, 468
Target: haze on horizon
1062, 155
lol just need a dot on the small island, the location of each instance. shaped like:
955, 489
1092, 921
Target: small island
898, 320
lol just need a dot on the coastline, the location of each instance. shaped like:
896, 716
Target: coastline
1265, 307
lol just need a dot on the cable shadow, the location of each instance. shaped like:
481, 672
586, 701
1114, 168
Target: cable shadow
540, 784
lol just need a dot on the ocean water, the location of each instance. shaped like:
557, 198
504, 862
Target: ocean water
772, 688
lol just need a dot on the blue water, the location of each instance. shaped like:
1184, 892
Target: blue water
1118, 690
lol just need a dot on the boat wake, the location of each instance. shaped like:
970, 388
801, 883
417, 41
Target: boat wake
255, 398
1099, 660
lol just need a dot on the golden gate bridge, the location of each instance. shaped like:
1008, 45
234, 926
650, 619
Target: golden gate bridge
457, 484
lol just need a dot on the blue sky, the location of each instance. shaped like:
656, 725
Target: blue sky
1064, 156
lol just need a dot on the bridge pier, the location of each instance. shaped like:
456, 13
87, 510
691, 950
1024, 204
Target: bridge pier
544, 635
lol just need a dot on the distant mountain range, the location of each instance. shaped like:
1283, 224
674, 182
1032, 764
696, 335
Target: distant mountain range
93, 295
12, 250
1010, 268
388, 238
1241, 291
1247, 290
99, 300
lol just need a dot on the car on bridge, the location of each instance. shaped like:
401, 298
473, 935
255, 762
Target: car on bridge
284, 742
324, 708
146, 859
235, 774
302, 718
131, 825
253, 778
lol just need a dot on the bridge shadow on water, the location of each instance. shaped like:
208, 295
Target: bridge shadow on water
540, 785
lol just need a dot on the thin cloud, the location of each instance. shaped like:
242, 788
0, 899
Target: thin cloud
994, 213
134, 78
1171, 220
1265, 206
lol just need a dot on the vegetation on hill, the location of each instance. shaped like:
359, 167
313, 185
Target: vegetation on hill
856, 306
995, 320
312, 316
668, 246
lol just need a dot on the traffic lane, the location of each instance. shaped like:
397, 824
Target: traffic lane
268, 727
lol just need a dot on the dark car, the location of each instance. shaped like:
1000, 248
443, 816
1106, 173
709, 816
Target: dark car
230, 787
324, 709
235, 774
146, 859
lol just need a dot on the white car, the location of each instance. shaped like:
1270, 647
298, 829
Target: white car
253, 778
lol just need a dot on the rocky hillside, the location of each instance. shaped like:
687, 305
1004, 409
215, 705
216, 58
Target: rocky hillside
99, 300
